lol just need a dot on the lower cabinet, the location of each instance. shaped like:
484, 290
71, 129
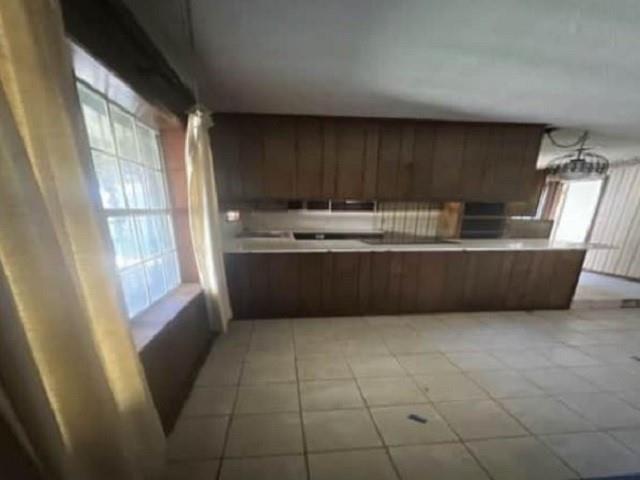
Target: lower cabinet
280, 285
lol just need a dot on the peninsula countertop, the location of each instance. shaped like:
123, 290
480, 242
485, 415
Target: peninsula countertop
290, 245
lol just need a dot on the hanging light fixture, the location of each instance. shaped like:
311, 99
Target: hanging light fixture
578, 164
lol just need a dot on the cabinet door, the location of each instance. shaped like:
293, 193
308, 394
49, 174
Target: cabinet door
279, 157
531, 177
476, 160
514, 142
329, 159
423, 142
448, 161
389, 152
409, 285
406, 163
236, 269
484, 270
379, 282
512, 175
309, 161
224, 145
250, 166
310, 271
284, 284
431, 289
456, 273
344, 285
351, 142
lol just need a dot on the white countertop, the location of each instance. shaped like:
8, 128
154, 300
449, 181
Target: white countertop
286, 245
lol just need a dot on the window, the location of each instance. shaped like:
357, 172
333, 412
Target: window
132, 182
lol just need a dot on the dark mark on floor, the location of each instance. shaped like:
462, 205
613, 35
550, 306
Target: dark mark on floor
417, 418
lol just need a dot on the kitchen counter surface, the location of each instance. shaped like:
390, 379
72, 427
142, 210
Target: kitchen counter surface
286, 245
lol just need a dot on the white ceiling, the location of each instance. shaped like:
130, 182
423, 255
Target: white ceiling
570, 63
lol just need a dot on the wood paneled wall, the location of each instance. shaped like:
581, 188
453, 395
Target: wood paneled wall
267, 157
617, 224
173, 357
271, 285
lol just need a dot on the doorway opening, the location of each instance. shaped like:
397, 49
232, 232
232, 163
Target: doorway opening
578, 206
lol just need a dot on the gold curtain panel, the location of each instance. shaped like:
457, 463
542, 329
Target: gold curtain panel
69, 370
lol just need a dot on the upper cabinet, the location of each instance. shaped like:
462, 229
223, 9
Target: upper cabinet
279, 157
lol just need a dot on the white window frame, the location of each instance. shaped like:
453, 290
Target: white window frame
133, 213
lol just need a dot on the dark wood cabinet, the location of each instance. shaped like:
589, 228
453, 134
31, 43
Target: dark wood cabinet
279, 165
448, 151
389, 151
271, 157
309, 169
350, 154
273, 285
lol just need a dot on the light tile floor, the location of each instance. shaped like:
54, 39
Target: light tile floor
508, 395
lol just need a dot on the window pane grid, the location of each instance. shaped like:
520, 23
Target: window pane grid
135, 200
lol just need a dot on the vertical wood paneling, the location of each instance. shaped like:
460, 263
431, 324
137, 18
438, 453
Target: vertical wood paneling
329, 159
258, 298
283, 157
491, 179
284, 286
224, 138
540, 280
368, 283
409, 285
310, 274
567, 267
615, 227
483, 271
423, 143
370, 177
279, 157
516, 294
380, 275
617, 224
598, 233
345, 283
394, 289
454, 285
509, 161
475, 159
630, 243
351, 141
309, 165
327, 289
625, 211
447, 161
251, 157
237, 273
431, 282
390, 147
406, 166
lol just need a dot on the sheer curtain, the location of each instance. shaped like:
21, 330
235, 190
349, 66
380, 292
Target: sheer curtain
204, 219
68, 368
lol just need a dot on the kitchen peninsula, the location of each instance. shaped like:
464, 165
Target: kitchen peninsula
273, 278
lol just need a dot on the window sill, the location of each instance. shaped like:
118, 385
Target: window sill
150, 322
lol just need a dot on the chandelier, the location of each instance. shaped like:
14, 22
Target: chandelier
578, 164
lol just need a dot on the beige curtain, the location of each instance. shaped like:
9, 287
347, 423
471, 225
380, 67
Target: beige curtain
70, 373
204, 219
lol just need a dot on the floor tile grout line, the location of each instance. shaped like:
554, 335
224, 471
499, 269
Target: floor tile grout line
305, 448
233, 409
498, 401
522, 425
375, 426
